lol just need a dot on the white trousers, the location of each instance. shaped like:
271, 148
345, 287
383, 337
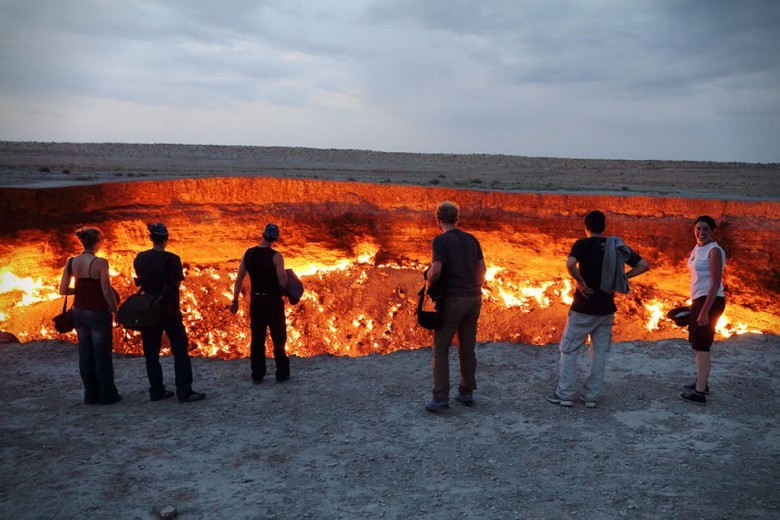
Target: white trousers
578, 327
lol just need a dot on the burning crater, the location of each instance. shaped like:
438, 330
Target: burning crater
361, 249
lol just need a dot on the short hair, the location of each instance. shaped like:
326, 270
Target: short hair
89, 236
707, 220
158, 232
595, 221
271, 232
447, 212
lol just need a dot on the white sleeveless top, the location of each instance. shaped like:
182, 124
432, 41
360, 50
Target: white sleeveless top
699, 268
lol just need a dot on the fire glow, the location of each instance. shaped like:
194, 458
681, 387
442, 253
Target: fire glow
360, 251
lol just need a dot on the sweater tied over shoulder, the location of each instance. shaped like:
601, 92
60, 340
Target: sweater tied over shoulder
613, 271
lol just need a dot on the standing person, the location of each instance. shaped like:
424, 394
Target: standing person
160, 272
597, 264
705, 265
459, 266
94, 303
268, 279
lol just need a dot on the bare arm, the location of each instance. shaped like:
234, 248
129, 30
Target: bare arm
571, 267
105, 284
281, 274
434, 273
65, 281
237, 286
642, 267
716, 274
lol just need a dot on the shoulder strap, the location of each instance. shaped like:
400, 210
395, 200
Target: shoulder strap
421, 294
89, 269
70, 274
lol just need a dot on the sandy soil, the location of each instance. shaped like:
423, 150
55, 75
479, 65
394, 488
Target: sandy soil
348, 437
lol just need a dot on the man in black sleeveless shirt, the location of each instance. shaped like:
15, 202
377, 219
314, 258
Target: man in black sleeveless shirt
160, 272
266, 309
459, 266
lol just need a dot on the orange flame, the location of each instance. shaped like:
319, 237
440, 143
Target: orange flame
656, 311
351, 307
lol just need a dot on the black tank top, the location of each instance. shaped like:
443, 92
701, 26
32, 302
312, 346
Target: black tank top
262, 271
89, 293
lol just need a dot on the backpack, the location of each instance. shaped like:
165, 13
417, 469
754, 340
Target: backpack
140, 311
427, 319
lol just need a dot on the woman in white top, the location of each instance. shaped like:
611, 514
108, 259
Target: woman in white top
705, 265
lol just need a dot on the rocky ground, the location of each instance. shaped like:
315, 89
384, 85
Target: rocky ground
348, 438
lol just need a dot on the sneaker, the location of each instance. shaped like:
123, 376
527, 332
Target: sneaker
465, 399
553, 398
588, 404
257, 381
692, 387
434, 406
116, 399
282, 379
167, 394
694, 397
194, 396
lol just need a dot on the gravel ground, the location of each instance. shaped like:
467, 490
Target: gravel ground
349, 438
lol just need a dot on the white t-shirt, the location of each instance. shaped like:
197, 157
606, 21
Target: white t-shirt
699, 268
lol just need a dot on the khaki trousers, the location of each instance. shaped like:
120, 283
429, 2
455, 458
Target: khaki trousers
460, 316
578, 327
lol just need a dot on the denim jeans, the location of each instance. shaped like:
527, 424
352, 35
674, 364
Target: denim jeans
578, 327
267, 313
460, 316
182, 366
96, 367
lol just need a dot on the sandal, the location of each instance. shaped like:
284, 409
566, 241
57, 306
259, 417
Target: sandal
194, 396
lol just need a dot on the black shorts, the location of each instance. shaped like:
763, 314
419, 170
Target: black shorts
701, 338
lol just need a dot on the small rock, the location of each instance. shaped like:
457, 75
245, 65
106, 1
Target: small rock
168, 512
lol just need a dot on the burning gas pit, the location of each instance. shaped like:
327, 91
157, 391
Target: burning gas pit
361, 249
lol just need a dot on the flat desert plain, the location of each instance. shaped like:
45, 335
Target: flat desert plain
348, 437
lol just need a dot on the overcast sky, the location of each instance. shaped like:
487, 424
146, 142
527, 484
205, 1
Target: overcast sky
610, 79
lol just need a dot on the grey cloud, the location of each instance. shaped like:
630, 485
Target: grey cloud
488, 71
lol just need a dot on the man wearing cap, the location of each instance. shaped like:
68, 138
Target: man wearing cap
268, 281
160, 272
